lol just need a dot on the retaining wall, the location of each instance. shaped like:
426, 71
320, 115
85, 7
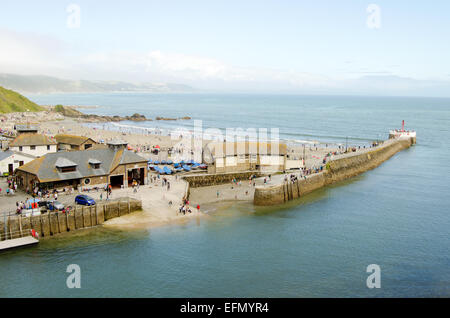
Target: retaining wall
204, 180
341, 168
52, 223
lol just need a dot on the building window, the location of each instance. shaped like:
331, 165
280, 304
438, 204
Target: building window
20, 148
87, 146
68, 169
32, 147
48, 147
96, 166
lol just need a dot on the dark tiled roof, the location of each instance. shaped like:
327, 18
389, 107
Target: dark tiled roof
45, 168
26, 127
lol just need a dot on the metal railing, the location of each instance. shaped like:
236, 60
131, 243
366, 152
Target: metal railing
10, 235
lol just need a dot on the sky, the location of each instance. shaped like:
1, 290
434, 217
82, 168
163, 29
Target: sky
326, 47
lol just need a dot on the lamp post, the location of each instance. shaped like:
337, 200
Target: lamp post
304, 149
346, 141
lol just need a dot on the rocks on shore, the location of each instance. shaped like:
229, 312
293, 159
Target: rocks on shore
70, 111
168, 118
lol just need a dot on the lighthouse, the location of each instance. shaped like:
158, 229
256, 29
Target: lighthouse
402, 133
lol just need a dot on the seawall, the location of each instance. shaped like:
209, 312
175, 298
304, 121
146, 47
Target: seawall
52, 223
204, 180
340, 168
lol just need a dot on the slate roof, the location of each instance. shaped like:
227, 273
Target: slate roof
9, 153
5, 154
71, 139
45, 168
32, 140
64, 162
26, 128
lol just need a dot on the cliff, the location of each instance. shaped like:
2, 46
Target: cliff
12, 102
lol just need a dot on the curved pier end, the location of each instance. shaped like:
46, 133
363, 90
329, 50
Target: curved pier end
339, 168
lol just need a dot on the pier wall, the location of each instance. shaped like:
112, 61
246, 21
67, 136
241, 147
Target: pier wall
341, 168
204, 180
52, 223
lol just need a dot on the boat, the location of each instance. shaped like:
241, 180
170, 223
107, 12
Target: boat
169, 162
179, 169
203, 166
156, 162
186, 168
163, 162
167, 170
176, 165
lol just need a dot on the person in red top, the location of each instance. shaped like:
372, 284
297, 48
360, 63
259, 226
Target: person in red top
198, 207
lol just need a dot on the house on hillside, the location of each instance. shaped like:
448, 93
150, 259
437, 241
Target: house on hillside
85, 168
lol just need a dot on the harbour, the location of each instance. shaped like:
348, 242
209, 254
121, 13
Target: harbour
332, 232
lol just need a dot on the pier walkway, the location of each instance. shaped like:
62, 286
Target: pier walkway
18, 242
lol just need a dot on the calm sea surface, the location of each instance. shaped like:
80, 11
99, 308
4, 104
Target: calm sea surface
396, 216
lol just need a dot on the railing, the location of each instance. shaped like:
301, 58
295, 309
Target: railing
10, 235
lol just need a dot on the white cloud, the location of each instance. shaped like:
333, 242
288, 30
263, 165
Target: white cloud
25, 53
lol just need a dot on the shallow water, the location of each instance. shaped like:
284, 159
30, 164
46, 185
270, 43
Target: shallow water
396, 216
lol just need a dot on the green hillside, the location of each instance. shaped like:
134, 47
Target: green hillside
11, 102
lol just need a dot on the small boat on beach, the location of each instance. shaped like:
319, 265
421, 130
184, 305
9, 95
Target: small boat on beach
186, 168
167, 170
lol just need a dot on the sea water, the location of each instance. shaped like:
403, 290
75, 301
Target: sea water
396, 216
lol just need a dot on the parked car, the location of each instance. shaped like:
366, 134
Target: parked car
55, 205
84, 200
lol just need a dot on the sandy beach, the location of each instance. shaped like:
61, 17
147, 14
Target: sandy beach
155, 198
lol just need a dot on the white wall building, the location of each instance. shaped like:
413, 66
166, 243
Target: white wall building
10, 161
36, 145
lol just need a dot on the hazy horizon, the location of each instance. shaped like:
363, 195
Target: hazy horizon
326, 48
